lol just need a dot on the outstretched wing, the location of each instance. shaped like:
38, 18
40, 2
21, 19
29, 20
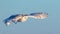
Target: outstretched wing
8, 21
39, 15
15, 19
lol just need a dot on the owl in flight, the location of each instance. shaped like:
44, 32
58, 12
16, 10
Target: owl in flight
23, 17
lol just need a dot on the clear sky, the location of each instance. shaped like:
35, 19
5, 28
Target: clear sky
50, 25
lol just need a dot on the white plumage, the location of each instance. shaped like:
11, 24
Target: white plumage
22, 18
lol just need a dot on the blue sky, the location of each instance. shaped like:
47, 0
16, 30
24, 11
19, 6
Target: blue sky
51, 25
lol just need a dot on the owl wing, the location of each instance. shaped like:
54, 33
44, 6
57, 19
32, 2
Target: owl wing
40, 15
